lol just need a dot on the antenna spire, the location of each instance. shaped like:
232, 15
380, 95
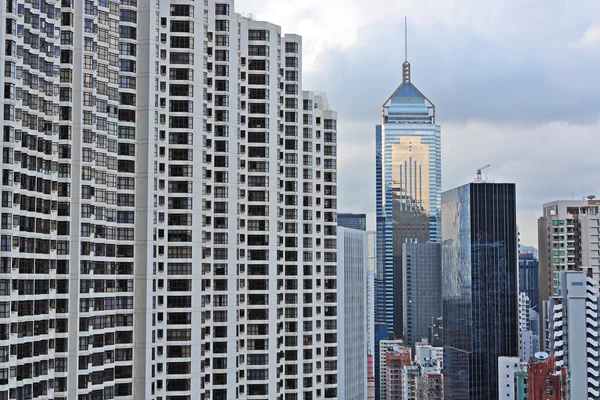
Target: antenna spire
405, 39
406, 65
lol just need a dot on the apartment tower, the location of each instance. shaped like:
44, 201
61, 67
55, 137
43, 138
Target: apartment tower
573, 338
168, 206
568, 234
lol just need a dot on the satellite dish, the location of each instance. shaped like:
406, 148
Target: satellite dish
591, 197
541, 355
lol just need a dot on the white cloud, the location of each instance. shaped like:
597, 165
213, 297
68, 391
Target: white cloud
590, 40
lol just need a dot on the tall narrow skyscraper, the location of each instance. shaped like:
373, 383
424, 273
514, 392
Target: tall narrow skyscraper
480, 283
408, 190
168, 206
409, 181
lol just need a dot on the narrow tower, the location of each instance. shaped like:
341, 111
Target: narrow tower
408, 159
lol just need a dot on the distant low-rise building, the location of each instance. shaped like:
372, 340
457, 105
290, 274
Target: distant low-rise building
547, 381
431, 386
386, 346
507, 367
410, 379
395, 361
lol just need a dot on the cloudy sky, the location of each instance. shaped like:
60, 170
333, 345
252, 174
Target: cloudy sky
516, 84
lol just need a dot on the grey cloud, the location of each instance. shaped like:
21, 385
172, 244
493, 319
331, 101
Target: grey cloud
528, 106
465, 75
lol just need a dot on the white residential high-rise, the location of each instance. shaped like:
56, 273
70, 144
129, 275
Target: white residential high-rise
168, 206
352, 313
410, 379
568, 233
530, 340
574, 332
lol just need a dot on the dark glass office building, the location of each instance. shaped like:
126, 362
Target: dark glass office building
352, 221
480, 287
529, 279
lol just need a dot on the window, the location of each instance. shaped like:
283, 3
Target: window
254, 34
222, 40
222, 9
221, 25
291, 47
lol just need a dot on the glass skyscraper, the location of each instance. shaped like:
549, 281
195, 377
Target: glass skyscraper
352, 221
408, 179
480, 290
529, 279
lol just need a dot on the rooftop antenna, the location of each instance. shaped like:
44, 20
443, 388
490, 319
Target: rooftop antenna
405, 39
478, 179
406, 65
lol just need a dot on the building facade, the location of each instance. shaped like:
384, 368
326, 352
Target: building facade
410, 381
352, 313
507, 368
436, 331
431, 386
574, 347
428, 357
371, 279
395, 362
545, 380
386, 346
480, 287
422, 289
408, 152
528, 329
430, 361
353, 221
408, 189
382, 344
529, 278
168, 206
567, 239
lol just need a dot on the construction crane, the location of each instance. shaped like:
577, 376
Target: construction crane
479, 172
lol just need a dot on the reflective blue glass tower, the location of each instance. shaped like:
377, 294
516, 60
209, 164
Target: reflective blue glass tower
408, 193
409, 183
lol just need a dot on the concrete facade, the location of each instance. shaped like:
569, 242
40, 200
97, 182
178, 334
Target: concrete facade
568, 233
352, 313
574, 332
169, 204
507, 367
